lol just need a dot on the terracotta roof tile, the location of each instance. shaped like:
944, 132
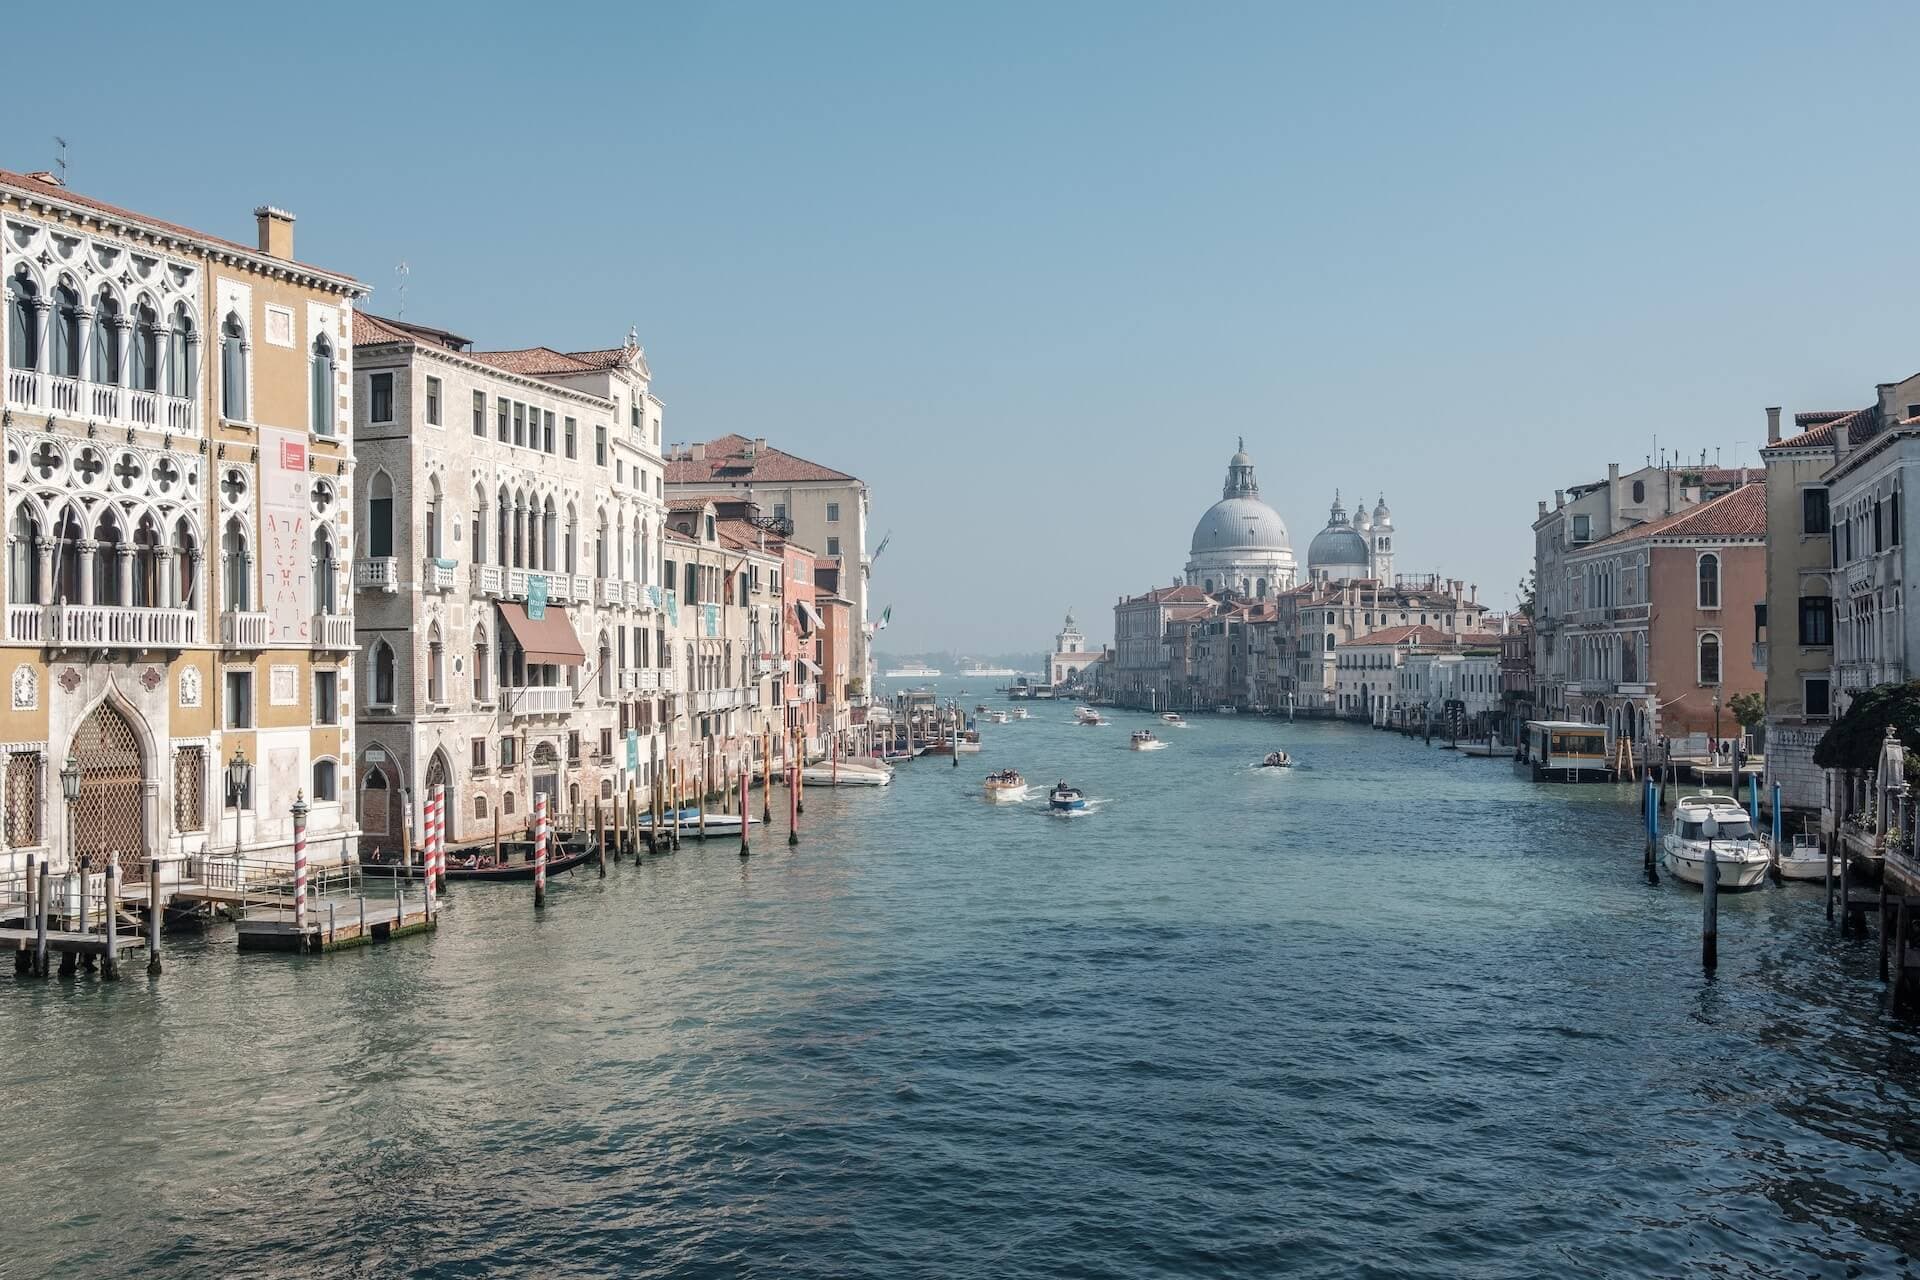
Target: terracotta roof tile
370, 330
1740, 514
1416, 634
532, 361
726, 459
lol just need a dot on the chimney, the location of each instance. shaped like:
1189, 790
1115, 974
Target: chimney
697, 452
1842, 442
1773, 424
276, 231
1543, 508
1559, 498
759, 444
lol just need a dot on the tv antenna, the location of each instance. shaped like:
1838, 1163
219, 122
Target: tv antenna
402, 271
60, 158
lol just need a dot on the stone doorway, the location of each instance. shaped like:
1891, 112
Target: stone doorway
109, 820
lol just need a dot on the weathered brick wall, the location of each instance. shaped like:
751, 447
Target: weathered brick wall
1790, 745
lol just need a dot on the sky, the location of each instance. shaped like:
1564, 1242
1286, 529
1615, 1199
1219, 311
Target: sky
1030, 270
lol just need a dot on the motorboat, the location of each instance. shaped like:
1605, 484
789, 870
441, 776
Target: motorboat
1006, 787
1021, 713
718, 824
1803, 859
1066, 799
1143, 740
1174, 720
847, 773
998, 717
1277, 760
1226, 709
1714, 822
1086, 715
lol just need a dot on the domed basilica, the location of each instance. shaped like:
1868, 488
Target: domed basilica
1241, 545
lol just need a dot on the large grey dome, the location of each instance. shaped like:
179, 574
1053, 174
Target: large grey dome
1337, 546
1234, 523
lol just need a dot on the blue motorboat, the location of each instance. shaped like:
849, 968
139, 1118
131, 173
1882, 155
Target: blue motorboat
1066, 799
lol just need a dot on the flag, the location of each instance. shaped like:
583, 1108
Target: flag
886, 616
883, 544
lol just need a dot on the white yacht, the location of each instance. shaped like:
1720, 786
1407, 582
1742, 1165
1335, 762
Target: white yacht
1173, 720
1086, 715
1021, 713
1143, 740
861, 772
1720, 821
913, 671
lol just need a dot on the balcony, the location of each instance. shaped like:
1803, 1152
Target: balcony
118, 626
332, 631
436, 574
489, 580
31, 389
379, 573
613, 592
525, 701
243, 630
26, 623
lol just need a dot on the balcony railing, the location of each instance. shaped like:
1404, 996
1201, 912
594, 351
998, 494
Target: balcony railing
378, 573
436, 574
332, 631
243, 630
537, 700
613, 592
488, 579
26, 623
122, 626
48, 393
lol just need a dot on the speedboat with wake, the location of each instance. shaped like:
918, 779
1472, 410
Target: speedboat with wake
1006, 787
1277, 760
1143, 740
1718, 823
1174, 720
1066, 799
1086, 715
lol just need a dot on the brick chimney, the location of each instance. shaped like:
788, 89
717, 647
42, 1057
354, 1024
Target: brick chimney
276, 231
1773, 424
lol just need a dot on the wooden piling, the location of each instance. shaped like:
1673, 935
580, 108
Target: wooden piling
1847, 913
1826, 848
793, 798
1885, 941
744, 815
633, 820
110, 963
496, 834
539, 851
40, 927
1710, 912
153, 917
766, 776
86, 876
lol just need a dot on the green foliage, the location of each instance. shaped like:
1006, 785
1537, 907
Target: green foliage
1526, 595
1749, 709
1855, 740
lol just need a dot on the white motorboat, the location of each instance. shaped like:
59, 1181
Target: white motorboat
1277, 760
1226, 709
1006, 787
998, 717
1174, 720
1021, 713
717, 823
1803, 859
1719, 821
1086, 715
848, 773
1143, 740
1064, 799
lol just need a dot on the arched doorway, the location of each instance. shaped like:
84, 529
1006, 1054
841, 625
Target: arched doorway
546, 774
110, 820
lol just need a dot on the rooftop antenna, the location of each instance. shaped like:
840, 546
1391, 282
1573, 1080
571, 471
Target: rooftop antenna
402, 271
60, 158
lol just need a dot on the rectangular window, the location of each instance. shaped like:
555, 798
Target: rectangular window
606, 743
1813, 511
519, 423
1760, 618
833, 546
23, 798
833, 513
1893, 518
239, 699
503, 428
1818, 701
479, 754
326, 697
507, 747
1583, 529
600, 446
572, 437
546, 432
480, 414
573, 745
1816, 621
380, 397
433, 402
1879, 539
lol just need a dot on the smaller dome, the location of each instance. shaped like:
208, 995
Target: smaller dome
1337, 546
1380, 513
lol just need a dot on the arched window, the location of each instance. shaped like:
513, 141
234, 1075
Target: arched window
233, 368
600, 548
66, 332
186, 566
106, 560
380, 516
571, 561
23, 565
436, 667
320, 386
1639, 492
1261, 586
480, 653
433, 519
503, 534
1709, 581
1709, 657
323, 572
234, 578
506, 804
326, 786
69, 536
106, 339
1208, 588
146, 349
519, 529
147, 585
479, 530
23, 323
480, 808
182, 354
383, 674
549, 537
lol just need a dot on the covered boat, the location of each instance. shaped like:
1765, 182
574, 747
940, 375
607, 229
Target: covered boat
1714, 824
1143, 740
1066, 799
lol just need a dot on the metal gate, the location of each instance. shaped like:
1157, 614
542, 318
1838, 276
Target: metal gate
109, 819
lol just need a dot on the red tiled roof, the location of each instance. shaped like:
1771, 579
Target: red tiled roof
1740, 514
371, 331
1817, 428
1733, 475
726, 459
532, 361
53, 191
686, 504
1189, 612
1416, 634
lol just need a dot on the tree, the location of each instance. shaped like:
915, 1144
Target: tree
1526, 595
1749, 709
1855, 740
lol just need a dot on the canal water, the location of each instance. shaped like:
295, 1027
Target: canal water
1393, 1013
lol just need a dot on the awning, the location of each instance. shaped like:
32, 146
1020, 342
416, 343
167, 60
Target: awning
808, 614
813, 668
551, 639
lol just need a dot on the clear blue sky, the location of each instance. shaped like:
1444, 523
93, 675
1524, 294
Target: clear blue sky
1029, 269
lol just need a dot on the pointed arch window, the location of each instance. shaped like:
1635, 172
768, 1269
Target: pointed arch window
480, 663
186, 564
23, 569
503, 533
66, 332
146, 349
321, 385
433, 519
233, 368
573, 536
106, 339
436, 667
182, 354
69, 538
106, 559
380, 516
478, 530
600, 547
383, 674
235, 581
323, 572
147, 584
23, 322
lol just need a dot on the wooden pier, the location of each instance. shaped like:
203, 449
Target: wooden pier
335, 923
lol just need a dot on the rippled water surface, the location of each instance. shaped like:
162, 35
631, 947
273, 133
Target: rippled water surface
1395, 1013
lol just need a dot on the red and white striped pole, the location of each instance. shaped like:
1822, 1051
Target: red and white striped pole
540, 849
426, 854
300, 866
439, 838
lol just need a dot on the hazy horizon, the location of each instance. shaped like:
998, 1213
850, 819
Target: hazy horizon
1031, 271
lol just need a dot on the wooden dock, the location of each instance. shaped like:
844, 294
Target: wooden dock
334, 923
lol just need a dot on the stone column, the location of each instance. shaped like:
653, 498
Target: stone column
124, 565
43, 308
87, 549
43, 567
164, 585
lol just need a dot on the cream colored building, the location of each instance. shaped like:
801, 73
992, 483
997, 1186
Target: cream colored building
179, 488
1797, 653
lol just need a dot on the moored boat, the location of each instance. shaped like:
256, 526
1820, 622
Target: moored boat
1226, 709
848, 773
1066, 799
1006, 787
1803, 859
477, 864
1718, 823
1143, 740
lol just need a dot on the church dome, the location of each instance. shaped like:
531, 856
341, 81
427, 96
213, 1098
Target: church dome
1338, 550
1382, 516
1236, 523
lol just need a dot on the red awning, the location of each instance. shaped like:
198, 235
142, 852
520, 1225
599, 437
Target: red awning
551, 639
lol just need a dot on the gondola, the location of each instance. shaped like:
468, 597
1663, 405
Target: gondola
566, 859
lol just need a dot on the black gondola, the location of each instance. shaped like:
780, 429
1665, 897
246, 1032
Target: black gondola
567, 859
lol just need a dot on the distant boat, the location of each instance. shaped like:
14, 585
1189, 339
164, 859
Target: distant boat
1226, 709
912, 671
1143, 740
988, 673
1086, 715
847, 773
1021, 713
1174, 720
1277, 760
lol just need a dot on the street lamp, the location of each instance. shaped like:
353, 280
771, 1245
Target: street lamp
70, 788
239, 780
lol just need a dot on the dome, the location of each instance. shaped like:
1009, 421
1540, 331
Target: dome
1234, 523
1381, 515
1339, 545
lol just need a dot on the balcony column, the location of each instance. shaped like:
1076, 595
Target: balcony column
83, 362
87, 549
166, 585
43, 309
43, 568
533, 537
190, 574
123, 356
124, 567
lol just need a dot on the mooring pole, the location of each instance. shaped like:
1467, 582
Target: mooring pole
153, 917
1710, 911
539, 850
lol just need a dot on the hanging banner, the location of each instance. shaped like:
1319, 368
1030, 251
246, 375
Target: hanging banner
286, 591
633, 750
673, 609
536, 596
713, 619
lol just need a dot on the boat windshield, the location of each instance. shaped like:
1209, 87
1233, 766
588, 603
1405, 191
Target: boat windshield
1735, 829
